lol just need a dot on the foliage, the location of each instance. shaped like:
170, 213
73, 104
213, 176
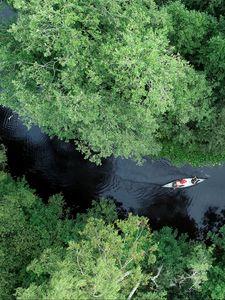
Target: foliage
104, 264
27, 227
215, 285
184, 265
112, 261
195, 154
88, 71
213, 53
2, 157
199, 37
190, 30
214, 7
44, 254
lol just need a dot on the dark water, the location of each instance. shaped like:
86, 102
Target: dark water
7, 14
53, 166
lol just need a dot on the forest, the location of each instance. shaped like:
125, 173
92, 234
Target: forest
128, 78
46, 253
89, 72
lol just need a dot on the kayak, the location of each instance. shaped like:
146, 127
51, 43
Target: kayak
188, 183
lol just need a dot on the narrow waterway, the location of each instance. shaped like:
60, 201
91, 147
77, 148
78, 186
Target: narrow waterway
53, 166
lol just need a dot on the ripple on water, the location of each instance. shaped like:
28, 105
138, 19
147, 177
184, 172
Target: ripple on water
53, 166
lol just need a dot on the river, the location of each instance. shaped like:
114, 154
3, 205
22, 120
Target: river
52, 166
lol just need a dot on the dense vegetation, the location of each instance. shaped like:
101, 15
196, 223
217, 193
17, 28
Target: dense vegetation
46, 254
129, 78
122, 77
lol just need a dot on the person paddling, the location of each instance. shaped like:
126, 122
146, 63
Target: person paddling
179, 183
194, 180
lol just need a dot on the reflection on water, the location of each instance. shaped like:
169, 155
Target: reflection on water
53, 166
170, 209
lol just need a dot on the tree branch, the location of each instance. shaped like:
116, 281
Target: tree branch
157, 275
125, 275
78, 262
133, 291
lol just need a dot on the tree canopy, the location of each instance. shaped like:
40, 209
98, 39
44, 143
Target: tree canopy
45, 253
115, 77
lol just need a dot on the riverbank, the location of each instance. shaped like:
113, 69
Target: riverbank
53, 166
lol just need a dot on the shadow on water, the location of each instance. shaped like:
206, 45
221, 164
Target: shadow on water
170, 209
52, 166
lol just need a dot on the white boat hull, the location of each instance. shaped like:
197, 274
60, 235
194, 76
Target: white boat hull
187, 184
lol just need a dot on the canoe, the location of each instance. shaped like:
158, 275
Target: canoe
187, 184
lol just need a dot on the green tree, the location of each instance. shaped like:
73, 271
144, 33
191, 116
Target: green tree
3, 158
213, 56
199, 38
104, 264
190, 30
215, 286
185, 264
214, 7
120, 260
88, 71
27, 227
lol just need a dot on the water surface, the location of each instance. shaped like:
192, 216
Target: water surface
53, 166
